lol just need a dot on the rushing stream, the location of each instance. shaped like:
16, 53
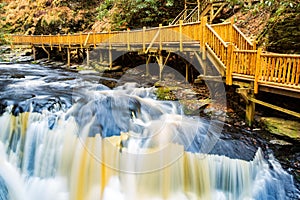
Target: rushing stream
65, 136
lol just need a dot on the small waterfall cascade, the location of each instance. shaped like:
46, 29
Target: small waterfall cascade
66, 137
71, 155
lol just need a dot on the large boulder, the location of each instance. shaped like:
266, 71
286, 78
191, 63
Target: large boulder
282, 127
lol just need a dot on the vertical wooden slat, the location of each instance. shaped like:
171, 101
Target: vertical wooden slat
257, 70
285, 63
298, 72
289, 66
273, 62
294, 70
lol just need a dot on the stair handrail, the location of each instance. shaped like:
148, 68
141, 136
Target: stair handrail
177, 18
248, 45
191, 14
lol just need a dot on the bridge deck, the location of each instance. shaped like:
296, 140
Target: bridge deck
226, 44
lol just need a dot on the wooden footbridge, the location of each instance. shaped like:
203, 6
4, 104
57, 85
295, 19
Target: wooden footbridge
236, 58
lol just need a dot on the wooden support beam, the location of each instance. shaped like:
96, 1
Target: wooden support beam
160, 37
293, 113
230, 61
250, 112
160, 64
257, 70
128, 39
144, 39
187, 72
147, 65
69, 57
203, 42
110, 58
87, 57
34, 53
47, 52
180, 36
87, 39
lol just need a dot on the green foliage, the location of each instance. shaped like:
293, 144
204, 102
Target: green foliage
138, 13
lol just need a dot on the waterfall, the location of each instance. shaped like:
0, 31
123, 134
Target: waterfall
70, 155
78, 140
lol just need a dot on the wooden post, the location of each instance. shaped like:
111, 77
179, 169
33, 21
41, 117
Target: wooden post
211, 15
69, 40
59, 41
144, 39
128, 39
250, 110
187, 72
94, 38
231, 30
87, 57
147, 65
257, 70
100, 56
51, 47
81, 41
161, 65
203, 25
180, 36
110, 58
34, 53
198, 15
109, 50
69, 57
160, 37
230, 63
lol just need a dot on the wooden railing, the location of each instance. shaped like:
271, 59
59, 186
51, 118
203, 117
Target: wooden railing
280, 70
227, 43
240, 40
231, 33
217, 44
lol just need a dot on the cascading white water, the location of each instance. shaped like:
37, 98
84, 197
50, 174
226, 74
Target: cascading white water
62, 155
114, 144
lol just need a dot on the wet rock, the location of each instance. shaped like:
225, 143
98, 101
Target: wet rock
17, 76
280, 142
282, 127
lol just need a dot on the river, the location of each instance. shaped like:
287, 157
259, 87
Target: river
65, 136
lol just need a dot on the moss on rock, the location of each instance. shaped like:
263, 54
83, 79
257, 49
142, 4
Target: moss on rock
282, 127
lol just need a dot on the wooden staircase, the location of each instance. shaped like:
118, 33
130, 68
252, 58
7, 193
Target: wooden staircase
195, 10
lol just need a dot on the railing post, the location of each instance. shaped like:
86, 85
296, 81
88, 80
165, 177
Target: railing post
109, 50
231, 30
160, 37
59, 41
230, 61
69, 40
198, 14
51, 47
94, 38
257, 70
144, 39
128, 39
254, 44
81, 41
69, 57
203, 40
180, 36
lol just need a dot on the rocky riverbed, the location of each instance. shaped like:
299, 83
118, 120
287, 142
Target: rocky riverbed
195, 100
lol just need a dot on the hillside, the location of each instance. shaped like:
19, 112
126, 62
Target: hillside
274, 24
